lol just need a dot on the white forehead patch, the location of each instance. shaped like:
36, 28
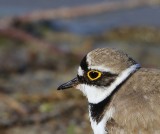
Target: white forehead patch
100, 68
80, 71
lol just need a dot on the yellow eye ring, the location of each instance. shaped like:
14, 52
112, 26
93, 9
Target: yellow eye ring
94, 75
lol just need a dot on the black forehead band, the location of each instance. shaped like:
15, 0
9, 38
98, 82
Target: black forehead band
84, 64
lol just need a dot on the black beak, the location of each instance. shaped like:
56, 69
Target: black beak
69, 84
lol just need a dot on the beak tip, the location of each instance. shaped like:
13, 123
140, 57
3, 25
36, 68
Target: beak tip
59, 88
69, 84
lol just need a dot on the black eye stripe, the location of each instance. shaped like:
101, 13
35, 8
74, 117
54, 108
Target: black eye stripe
109, 74
81, 79
105, 80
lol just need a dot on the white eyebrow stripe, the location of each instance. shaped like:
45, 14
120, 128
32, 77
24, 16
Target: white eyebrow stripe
80, 71
101, 68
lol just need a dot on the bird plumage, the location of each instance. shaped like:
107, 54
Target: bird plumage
109, 58
137, 104
123, 97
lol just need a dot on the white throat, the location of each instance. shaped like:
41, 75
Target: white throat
97, 94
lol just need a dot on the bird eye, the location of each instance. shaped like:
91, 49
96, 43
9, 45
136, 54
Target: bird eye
94, 75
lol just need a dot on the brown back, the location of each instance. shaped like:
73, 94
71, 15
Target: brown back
137, 105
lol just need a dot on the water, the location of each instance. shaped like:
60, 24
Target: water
143, 17
18, 7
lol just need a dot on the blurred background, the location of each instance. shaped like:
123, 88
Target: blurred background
41, 45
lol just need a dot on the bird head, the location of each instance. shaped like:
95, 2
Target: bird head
100, 72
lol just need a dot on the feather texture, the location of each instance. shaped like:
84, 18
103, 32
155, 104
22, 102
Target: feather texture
137, 105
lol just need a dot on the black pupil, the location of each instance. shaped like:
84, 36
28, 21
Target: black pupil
93, 75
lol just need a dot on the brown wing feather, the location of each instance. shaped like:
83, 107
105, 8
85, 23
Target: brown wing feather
137, 105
